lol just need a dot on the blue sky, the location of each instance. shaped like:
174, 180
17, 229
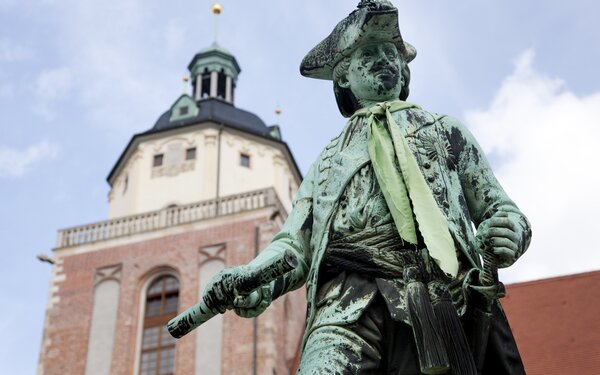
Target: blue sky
78, 78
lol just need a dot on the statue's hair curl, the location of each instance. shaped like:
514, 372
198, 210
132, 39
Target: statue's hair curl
340, 69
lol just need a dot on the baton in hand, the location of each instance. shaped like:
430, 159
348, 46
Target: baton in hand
201, 312
482, 313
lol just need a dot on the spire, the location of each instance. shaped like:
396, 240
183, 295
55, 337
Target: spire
216, 10
185, 79
278, 114
214, 70
275, 130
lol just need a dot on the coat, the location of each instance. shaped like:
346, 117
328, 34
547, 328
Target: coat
456, 171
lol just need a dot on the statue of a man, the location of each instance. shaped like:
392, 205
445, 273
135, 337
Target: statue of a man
382, 226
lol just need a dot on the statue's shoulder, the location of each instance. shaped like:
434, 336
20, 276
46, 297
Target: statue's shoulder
426, 116
446, 122
416, 117
334, 141
329, 149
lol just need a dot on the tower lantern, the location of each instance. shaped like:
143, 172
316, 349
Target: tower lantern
214, 70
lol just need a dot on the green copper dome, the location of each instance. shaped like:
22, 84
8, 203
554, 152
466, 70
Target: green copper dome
214, 59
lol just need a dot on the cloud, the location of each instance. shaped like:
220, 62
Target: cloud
10, 52
544, 141
113, 74
16, 163
51, 86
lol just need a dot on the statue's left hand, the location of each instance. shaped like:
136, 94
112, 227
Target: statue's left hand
255, 303
219, 294
499, 234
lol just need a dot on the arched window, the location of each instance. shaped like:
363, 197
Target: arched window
158, 347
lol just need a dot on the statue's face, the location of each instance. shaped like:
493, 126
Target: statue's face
374, 74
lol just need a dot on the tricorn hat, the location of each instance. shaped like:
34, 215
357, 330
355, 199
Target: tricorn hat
373, 21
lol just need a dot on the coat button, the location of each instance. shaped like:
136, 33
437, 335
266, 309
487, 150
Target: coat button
426, 165
437, 191
431, 179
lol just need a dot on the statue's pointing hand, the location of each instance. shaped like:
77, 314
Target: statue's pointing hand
498, 234
220, 294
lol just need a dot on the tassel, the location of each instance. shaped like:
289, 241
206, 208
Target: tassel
430, 346
453, 334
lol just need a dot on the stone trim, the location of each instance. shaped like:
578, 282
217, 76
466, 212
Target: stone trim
168, 217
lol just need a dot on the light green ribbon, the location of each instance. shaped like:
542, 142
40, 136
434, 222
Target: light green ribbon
402, 183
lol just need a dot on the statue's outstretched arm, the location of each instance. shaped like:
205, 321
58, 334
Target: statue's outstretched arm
250, 289
294, 238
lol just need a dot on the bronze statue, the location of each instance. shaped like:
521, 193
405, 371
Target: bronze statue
382, 227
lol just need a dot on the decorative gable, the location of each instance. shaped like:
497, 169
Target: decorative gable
184, 107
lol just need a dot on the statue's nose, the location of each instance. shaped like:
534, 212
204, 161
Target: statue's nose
382, 57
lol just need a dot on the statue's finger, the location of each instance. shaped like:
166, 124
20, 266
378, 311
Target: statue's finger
267, 293
501, 214
501, 222
503, 232
501, 242
241, 312
504, 253
262, 306
248, 301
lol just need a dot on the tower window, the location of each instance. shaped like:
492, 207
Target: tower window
158, 160
158, 347
184, 110
205, 85
222, 85
245, 160
190, 153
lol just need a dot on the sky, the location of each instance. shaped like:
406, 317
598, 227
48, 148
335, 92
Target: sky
78, 78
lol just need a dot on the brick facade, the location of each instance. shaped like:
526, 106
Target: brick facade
556, 323
68, 319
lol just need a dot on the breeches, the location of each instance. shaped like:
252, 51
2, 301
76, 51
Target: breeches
377, 345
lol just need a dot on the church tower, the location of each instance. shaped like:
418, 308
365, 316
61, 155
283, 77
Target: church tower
206, 187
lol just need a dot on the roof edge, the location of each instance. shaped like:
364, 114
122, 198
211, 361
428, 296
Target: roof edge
555, 278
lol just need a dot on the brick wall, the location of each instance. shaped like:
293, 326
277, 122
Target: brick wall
68, 320
556, 323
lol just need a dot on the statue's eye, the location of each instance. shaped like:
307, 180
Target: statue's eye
368, 52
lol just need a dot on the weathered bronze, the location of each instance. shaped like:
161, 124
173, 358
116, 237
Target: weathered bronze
242, 283
382, 226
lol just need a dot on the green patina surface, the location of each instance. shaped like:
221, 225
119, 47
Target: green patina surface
387, 209
184, 107
213, 59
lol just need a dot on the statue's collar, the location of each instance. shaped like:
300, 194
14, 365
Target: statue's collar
383, 107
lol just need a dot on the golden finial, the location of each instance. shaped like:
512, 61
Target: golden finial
217, 8
278, 114
185, 79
